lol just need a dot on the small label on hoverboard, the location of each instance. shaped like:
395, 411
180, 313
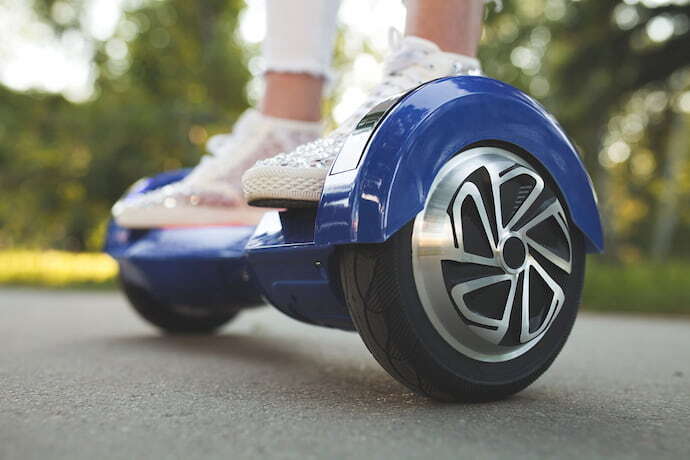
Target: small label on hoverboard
355, 145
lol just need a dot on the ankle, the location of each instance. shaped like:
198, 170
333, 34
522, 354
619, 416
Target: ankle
287, 124
286, 112
454, 25
293, 96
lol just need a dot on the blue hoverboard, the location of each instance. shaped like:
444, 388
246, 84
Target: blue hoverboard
451, 234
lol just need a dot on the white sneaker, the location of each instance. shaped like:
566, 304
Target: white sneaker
211, 193
295, 179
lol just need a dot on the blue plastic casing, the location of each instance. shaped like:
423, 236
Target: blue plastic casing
389, 184
204, 266
298, 277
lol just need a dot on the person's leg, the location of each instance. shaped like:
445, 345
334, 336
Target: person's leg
297, 50
297, 53
454, 25
441, 40
294, 96
298, 58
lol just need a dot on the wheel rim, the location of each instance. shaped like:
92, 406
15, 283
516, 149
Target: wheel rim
491, 253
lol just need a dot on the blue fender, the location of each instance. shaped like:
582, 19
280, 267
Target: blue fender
387, 188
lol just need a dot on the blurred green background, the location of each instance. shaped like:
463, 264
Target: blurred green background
97, 93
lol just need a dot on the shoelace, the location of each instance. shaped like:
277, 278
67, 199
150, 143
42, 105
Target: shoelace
402, 71
220, 146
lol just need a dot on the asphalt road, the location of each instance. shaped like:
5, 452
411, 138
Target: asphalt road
82, 377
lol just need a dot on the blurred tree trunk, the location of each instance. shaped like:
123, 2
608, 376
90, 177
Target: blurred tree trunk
601, 178
603, 183
678, 148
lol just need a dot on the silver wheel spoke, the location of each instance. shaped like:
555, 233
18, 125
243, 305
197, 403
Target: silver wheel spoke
475, 259
554, 210
501, 324
551, 256
531, 198
494, 173
470, 191
553, 308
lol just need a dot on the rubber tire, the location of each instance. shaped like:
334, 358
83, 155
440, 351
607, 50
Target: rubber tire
382, 298
167, 319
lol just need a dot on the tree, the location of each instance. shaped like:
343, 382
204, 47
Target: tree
62, 165
612, 72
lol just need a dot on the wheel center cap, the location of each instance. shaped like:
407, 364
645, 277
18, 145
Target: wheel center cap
513, 253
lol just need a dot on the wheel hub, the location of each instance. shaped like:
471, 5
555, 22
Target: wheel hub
491, 253
513, 253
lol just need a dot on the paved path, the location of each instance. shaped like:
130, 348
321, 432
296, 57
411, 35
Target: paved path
82, 377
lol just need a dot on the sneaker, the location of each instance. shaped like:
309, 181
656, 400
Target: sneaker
211, 193
296, 179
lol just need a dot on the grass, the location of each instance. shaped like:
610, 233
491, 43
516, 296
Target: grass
56, 269
644, 288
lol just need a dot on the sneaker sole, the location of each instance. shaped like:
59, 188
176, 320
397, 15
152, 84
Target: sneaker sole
272, 186
188, 217
282, 203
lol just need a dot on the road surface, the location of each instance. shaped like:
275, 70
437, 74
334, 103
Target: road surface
82, 377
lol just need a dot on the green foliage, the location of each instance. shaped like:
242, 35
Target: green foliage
613, 73
591, 59
642, 288
62, 165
